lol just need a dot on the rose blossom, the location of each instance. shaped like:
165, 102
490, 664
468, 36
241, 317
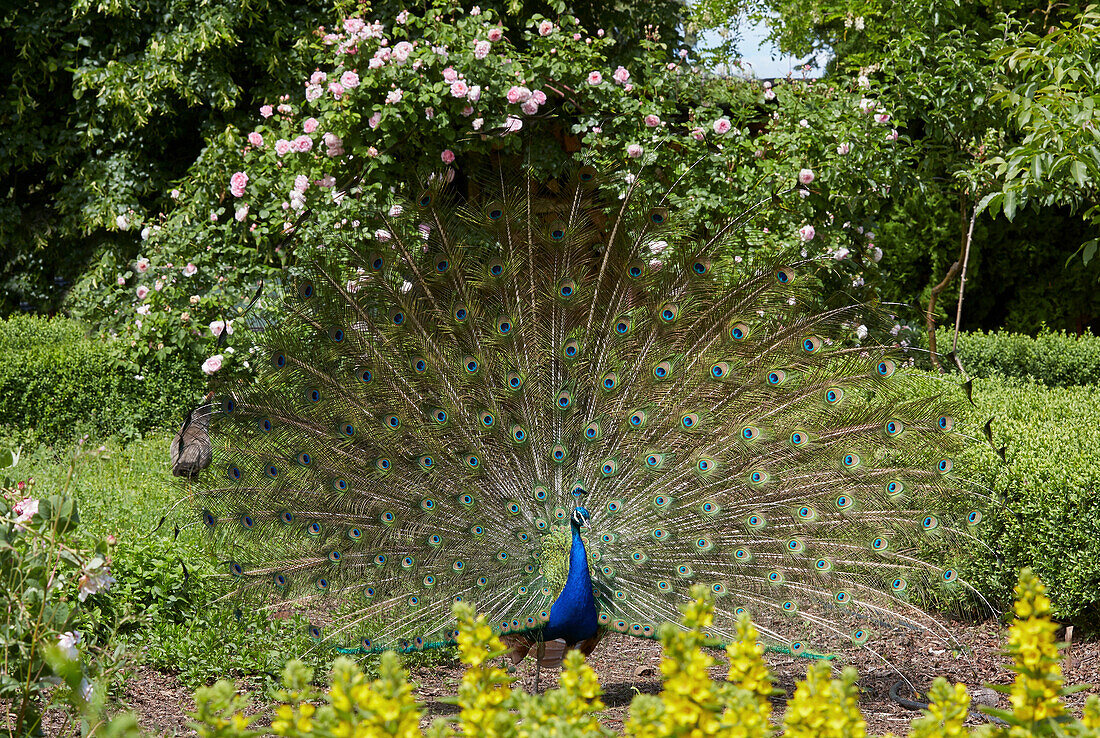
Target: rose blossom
496, 33
142, 291
518, 95
843, 149
721, 126
633, 151
317, 77
314, 92
477, 123
481, 49
90, 583
122, 223
354, 25
372, 121
449, 75
303, 143
121, 280
876, 254
309, 125
394, 96
807, 232
336, 89
237, 183
841, 254
475, 93
595, 78
301, 183
282, 147
266, 111
512, 124
24, 510
530, 107
882, 117
652, 121
143, 309
769, 94
142, 266
401, 51
805, 176
447, 156
546, 28
698, 134
459, 89
190, 270
621, 75
892, 135
866, 105
217, 327
467, 111
256, 140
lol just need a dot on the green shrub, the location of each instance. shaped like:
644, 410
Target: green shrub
56, 383
1055, 359
1045, 512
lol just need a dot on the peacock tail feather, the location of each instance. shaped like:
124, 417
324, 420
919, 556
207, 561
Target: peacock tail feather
439, 389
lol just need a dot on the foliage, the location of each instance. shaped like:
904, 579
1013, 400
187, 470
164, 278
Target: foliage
57, 383
690, 703
443, 86
1051, 90
46, 574
1056, 359
1042, 510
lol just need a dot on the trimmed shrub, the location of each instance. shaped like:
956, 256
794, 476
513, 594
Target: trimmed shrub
56, 383
1045, 511
1055, 359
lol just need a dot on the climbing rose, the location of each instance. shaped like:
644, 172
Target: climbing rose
546, 28
518, 95
481, 49
282, 147
447, 156
892, 135
237, 183
317, 77
121, 280
310, 125
256, 140
698, 134
401, 50
191, 269
843, 149
142, 266
495, 34
217, 327
100, 579
303, 143
882, 117
633, 151
652, 121
721, 126
807, 232
805, 176
142, 291
394, 96
459, 89
266, 111
595, 78
336, 89
122, 223
474, 94
372, 121
512, 125
402, 17
621, 75
313, 92
25, 510
450, 75
539, 97
301, 183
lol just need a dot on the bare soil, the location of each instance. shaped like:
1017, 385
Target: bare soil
627, 666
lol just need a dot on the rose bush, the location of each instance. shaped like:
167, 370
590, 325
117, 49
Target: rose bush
448, 88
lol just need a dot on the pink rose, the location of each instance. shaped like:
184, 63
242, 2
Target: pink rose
372, 121
318, 78
769, 94
447, 156
212, 364
354, 25
217, 327
237, 183
539, 97
375, 63
142, 266
518, 94
807, 232
266, 111
843, 149
459, 89
866, 105
310, 125
633, 151
142, 291
530, 107
303, 143
841, 254
474, 94
336, 89
652, 121
394, 96
256, 140
892, 135
467, 111
496, 33
621, 75
282, 147
190, 270
449, 75
481, 49
314, 92
121, 281
301, 183
721, 126
512, 124
805, 176
402, 50
698, 134
595, 78
546, 28
882, 117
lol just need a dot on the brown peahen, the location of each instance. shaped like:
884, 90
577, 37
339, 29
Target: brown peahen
510, 399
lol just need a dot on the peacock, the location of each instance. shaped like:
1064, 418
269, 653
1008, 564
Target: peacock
547, 396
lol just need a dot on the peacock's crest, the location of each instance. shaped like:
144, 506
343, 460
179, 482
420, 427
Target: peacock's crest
437, 393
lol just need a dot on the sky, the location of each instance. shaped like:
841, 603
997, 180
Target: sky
762, 54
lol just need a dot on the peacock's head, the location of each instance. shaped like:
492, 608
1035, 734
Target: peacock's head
580, 517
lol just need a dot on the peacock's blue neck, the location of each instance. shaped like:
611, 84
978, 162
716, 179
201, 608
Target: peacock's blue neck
573, 615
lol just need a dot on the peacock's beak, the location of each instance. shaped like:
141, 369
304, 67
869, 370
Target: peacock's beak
585, 525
